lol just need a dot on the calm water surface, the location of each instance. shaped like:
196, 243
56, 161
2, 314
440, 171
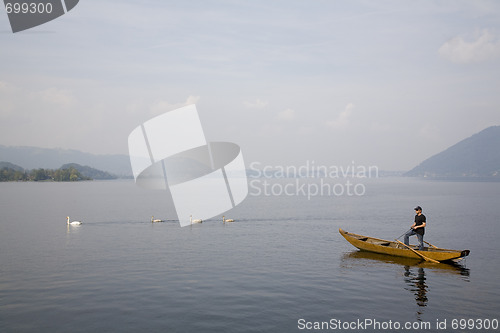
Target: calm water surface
283, 260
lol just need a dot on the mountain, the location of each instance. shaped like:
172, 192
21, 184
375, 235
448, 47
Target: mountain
33, 158
475, 157
89, 172
7, 165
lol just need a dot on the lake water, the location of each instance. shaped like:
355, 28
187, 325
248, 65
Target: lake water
281, 265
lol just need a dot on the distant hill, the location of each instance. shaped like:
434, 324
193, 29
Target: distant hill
474, 157
33, 157
8, 165
89, 172
11, 172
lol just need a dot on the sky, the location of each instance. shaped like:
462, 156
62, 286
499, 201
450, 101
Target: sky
375, 83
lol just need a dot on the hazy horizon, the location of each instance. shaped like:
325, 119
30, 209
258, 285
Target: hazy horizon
387, 83
308, 164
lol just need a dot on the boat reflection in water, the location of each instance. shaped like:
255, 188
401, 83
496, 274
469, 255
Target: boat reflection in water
414, 272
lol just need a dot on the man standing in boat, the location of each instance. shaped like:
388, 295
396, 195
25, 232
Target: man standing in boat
418, 228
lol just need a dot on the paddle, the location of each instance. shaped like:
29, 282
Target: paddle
430, 244
419, 254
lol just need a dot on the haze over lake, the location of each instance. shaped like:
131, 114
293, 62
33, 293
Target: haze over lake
281, 261
361, 89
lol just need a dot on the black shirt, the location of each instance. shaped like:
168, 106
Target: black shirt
419, 220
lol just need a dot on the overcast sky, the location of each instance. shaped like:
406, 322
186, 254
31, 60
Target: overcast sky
385, 83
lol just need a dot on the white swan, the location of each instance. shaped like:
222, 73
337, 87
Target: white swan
72, 222
153, 220
194, 221
226, 220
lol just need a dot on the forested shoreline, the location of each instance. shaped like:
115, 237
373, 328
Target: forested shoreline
59, 175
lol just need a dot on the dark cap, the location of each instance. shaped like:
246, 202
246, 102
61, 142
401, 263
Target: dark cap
418, 208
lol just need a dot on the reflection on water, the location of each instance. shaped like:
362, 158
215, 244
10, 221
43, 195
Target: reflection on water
72, 228
414, 273
416, 284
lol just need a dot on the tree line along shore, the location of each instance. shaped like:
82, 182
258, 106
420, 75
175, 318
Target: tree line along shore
70, 172
59, 175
